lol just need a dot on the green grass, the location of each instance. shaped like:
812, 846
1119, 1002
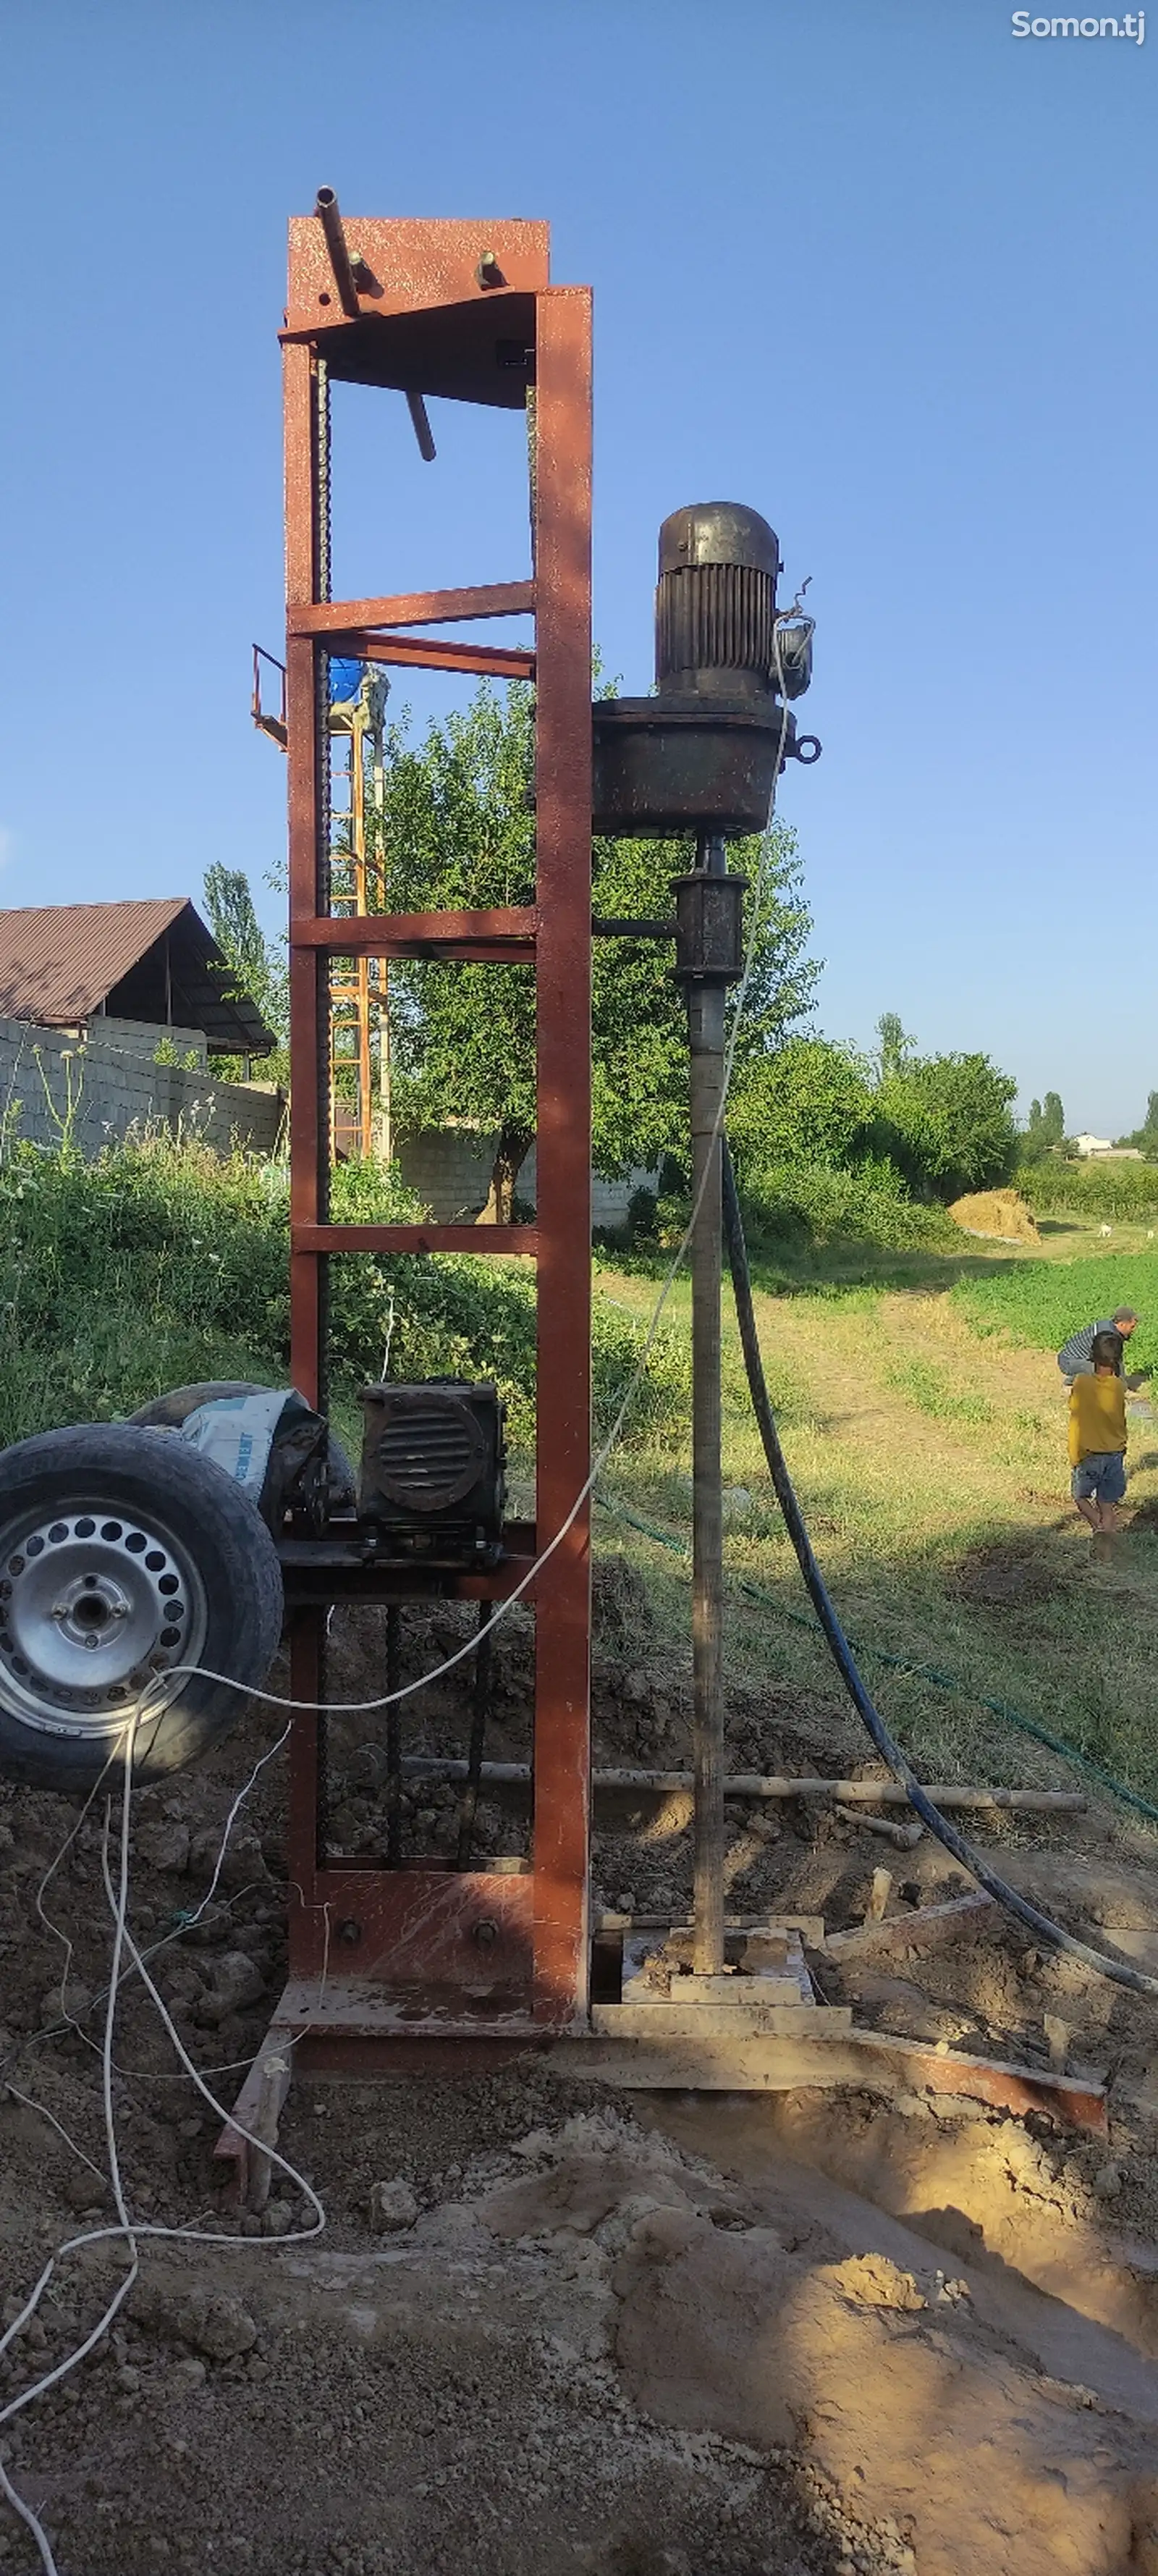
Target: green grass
158, 1265
1039, 1303
926, 1386
929, 1456
921, 1409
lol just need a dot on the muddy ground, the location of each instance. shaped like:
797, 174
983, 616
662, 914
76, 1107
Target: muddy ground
665, 2336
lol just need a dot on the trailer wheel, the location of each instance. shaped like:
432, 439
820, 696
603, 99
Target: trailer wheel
168, 1412
125, 1556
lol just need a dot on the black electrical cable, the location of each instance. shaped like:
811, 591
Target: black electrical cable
1118, 1970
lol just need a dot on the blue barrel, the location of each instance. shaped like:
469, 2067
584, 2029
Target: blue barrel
345, 681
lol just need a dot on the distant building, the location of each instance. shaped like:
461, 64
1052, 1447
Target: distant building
110, 1017
152, 965
1092, 1146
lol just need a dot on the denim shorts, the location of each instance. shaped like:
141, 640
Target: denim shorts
1101, 1477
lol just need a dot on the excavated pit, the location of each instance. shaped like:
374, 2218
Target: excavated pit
605, 2335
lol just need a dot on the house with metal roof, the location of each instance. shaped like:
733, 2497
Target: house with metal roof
72, 965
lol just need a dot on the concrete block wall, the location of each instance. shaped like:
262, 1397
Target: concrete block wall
449, 1169
118, 1087
143, 1037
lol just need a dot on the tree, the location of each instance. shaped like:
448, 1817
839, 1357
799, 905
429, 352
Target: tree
1145, 1137
895, 1045
809, 1102
1045, 1133
458, 832
945, 1121
256, 964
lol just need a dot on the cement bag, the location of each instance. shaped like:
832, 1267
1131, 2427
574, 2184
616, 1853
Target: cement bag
271, 1443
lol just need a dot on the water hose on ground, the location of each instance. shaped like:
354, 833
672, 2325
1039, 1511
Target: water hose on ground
1119, 1971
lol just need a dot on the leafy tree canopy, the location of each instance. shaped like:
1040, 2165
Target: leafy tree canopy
1045, 1133
945, 1121
808, 1102
1145, 1137
895, 1046
257, 965
458, 831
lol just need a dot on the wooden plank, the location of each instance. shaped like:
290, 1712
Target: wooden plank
768, 1988
416, 608
858, 2060
929, 1927
809, 1926
257, 2111
660, 2020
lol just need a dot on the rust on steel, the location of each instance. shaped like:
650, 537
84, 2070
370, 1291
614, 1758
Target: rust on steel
525, 1239
561, 480
508, 932
462, 1951
415, 608
305, 402
436, 653
396, 1940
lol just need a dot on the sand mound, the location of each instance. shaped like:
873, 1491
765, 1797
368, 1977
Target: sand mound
998, 1214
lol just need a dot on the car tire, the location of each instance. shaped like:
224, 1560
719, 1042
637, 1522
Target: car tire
125, 1556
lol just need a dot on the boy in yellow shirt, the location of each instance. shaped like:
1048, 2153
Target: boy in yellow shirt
1098, 1437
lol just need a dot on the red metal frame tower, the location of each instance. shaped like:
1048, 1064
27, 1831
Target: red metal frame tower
423, 1952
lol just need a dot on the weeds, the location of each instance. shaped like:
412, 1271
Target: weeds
926, 1386
159, 1264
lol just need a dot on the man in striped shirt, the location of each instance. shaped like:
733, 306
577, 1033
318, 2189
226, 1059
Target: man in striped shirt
1075, 1356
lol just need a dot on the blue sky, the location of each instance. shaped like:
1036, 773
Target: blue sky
875, 266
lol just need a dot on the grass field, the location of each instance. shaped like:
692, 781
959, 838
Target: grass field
925, 1426
921, 1407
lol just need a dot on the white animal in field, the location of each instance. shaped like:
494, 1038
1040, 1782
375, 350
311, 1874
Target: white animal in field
1105, 1229
1149, 1234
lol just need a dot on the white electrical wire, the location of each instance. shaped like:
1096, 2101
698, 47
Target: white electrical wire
42, 2109
67, 2020
389, 1699
127, 2231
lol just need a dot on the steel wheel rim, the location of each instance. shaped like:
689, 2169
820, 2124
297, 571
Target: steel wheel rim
97, 1604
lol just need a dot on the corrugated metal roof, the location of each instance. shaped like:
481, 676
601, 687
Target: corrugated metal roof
59, 963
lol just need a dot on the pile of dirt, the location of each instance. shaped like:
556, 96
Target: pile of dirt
600, 2346
999, 1216
713, 2339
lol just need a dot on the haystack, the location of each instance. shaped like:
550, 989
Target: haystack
1000, 1216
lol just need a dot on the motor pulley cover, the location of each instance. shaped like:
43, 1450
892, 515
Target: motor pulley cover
432, 1482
